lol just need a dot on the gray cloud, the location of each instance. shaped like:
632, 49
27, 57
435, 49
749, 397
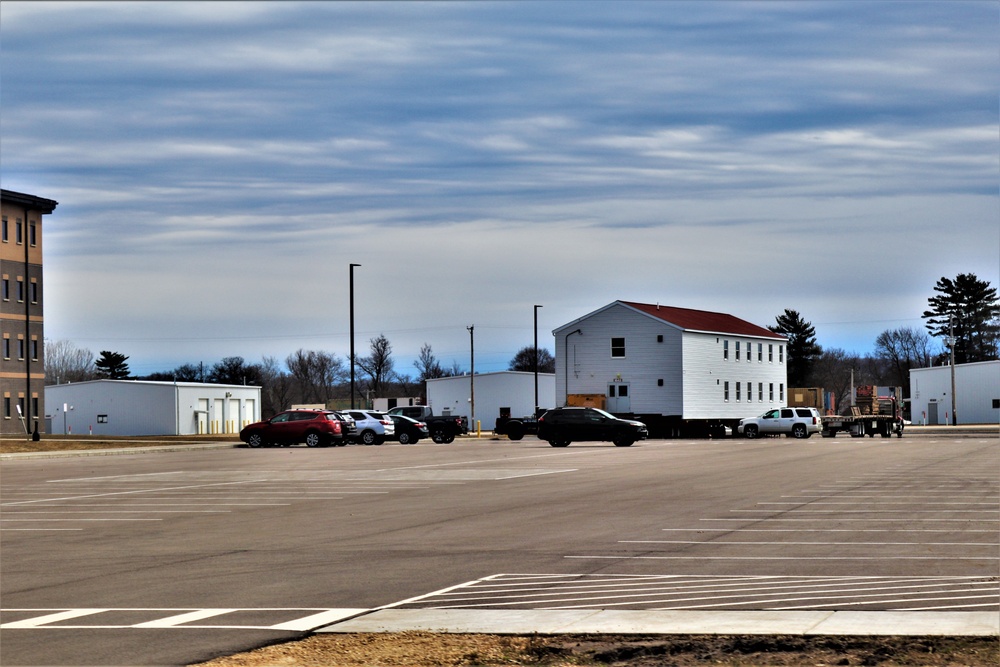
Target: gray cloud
218, 165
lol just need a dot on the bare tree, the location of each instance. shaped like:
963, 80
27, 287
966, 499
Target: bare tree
316, 373
378, 365
902, 350
428, 365
65, 362
276, 392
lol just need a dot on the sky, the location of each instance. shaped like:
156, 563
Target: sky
218, 167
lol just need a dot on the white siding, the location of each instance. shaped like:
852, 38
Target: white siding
690, 364
706, 372
149, 408
506, 389
976, 387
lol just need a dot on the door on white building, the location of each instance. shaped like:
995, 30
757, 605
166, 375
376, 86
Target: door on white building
932, 414
618, 398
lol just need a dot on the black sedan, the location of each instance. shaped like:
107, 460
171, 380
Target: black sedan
409, 431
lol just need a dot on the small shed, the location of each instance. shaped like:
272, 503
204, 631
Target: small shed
977, 394
510, 391
140, 407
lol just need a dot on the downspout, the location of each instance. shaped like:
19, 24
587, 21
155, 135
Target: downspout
566, 367
25, 295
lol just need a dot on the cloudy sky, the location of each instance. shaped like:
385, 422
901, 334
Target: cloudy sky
219, 166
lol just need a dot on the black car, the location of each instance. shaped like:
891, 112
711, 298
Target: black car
562, 426
409, 431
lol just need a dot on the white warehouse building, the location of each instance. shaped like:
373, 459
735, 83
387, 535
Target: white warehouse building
140, 407
977, 394
512, 391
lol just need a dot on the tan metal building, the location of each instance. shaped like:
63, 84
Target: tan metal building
22, 337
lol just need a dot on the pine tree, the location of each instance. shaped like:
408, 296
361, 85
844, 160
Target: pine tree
966, 308
112, 366
802, 348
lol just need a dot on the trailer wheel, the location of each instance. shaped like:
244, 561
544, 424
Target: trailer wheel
515, 430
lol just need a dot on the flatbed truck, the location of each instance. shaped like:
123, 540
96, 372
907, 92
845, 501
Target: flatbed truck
876, 412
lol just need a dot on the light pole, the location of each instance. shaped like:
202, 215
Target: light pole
951, 344
536, 358
472, 376
352, 333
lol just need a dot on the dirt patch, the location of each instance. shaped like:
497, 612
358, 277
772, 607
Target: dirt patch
424, 649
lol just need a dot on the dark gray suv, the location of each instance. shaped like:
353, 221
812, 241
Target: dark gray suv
562, 426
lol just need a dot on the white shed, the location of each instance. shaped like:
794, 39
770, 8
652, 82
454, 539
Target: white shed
977, 394
139, 407
508, 390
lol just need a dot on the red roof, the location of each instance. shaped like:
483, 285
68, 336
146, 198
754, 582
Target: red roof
702, 320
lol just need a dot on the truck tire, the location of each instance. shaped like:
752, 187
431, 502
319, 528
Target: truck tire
799, 431
515, 430
439, 436
751, 432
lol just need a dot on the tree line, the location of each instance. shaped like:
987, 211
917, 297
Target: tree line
964, 314
303, 377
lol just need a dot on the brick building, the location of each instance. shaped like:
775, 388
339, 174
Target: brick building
22, 338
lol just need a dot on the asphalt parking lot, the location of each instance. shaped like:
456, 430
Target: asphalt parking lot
173, 558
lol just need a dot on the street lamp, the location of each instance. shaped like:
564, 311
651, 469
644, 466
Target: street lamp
472, 376
536, 358
352, 333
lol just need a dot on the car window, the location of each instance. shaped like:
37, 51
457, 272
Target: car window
773, 414
806, 412
785, 414
280, 419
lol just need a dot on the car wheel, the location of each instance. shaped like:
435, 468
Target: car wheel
404, 438
623, 441
255, 440
751, 432
799, 431
559, 443
313, 439
368, 438
439, 436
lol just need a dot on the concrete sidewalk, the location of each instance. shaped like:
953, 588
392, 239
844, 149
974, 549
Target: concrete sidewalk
673, 622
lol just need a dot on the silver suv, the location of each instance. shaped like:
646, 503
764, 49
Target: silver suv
794, 422
373, 427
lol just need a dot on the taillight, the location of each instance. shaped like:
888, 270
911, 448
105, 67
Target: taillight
336, 427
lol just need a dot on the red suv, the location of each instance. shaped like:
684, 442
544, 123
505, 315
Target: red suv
313, 427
